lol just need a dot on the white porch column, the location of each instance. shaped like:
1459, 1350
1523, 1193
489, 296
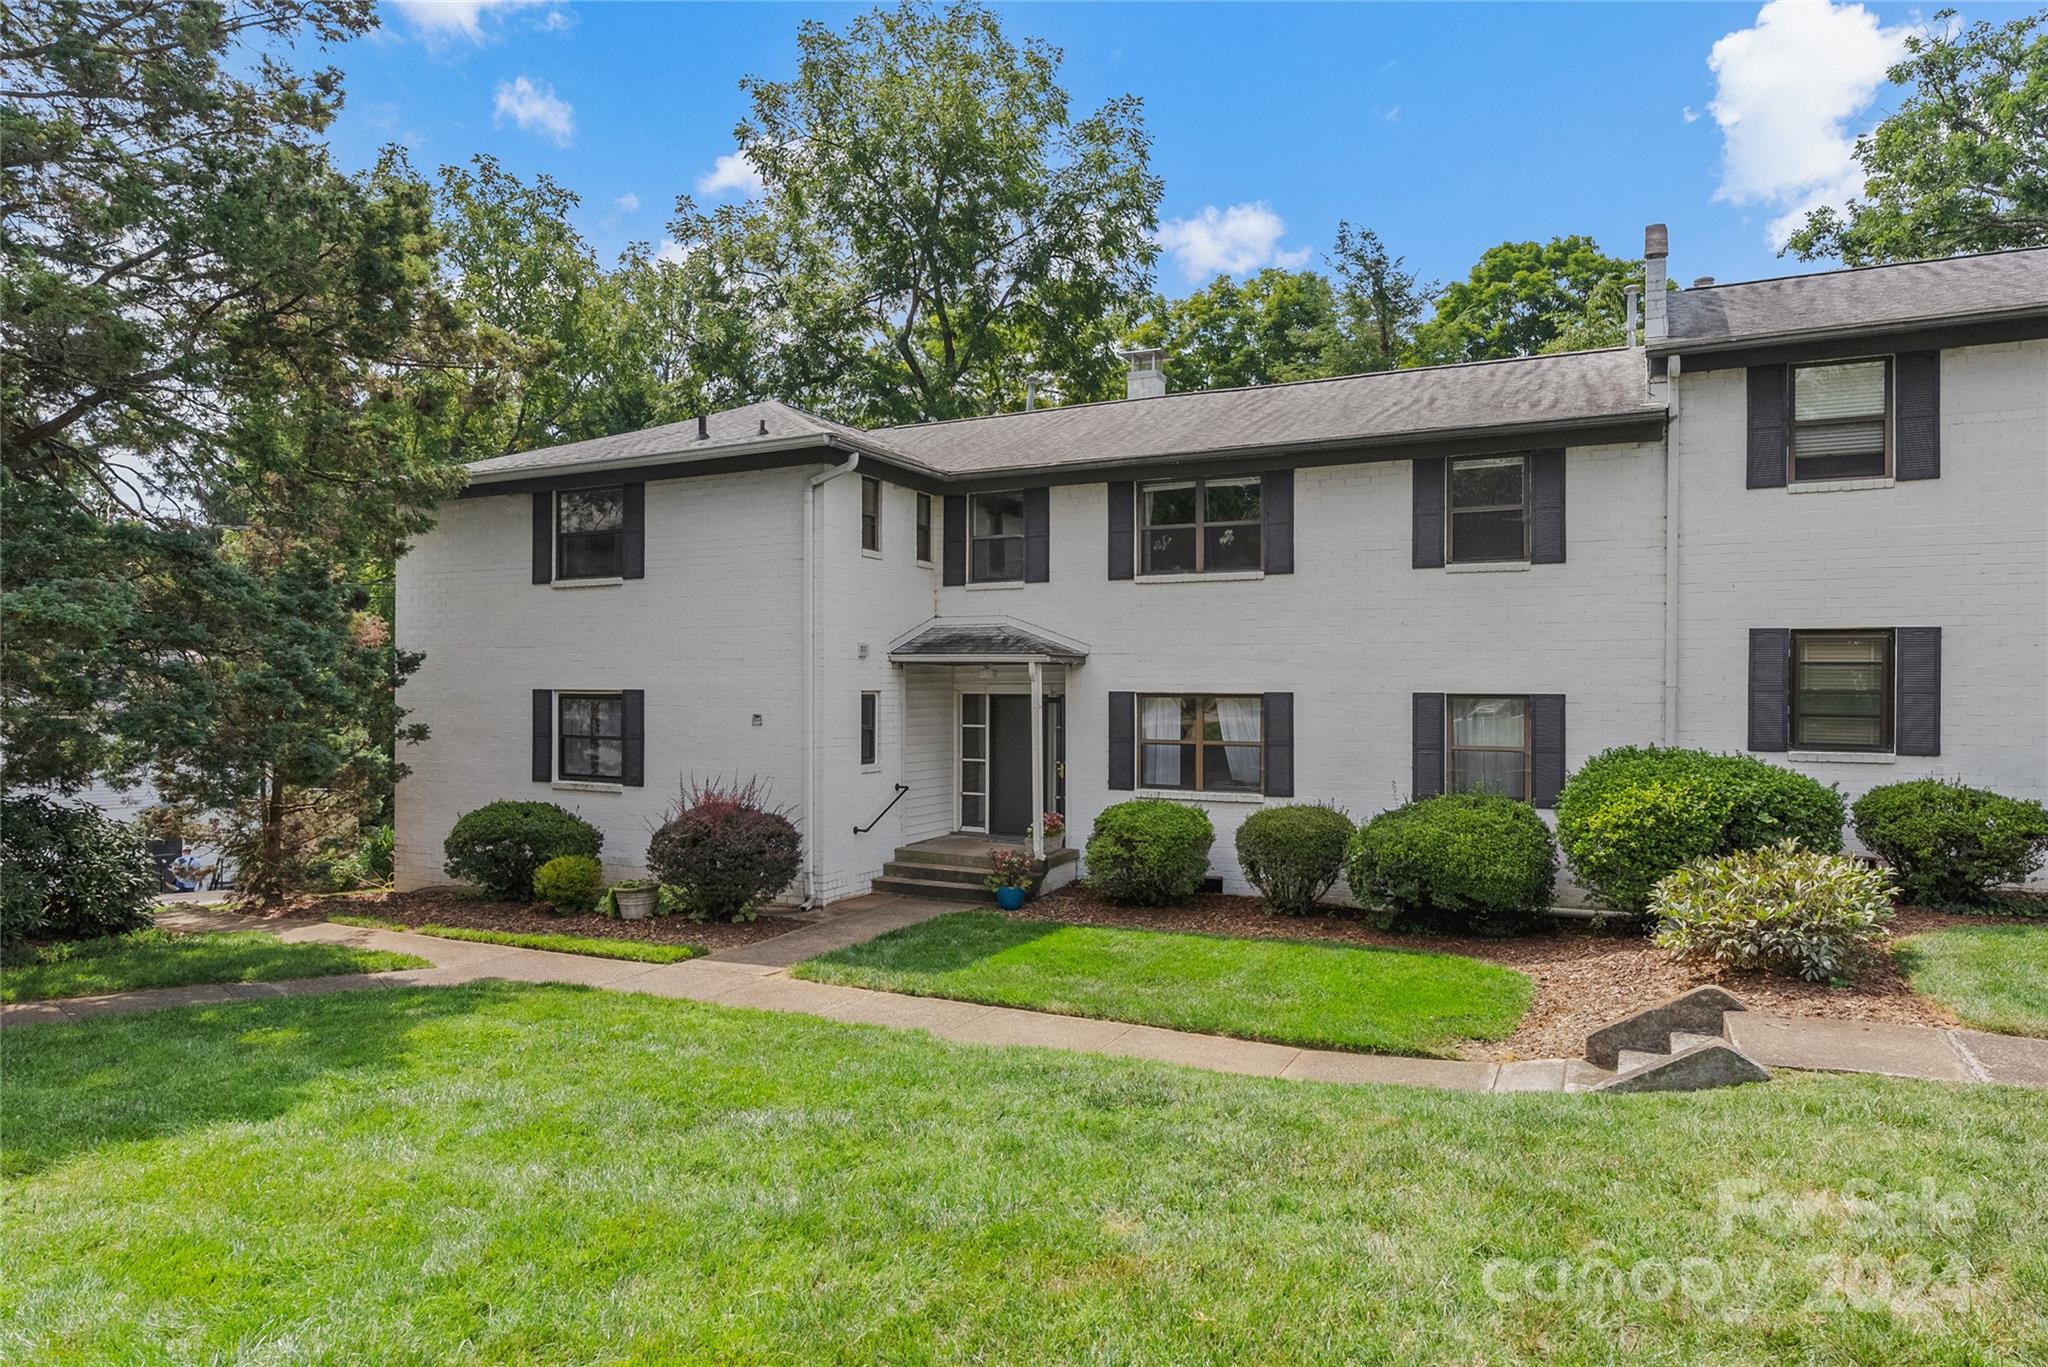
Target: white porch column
1037, 760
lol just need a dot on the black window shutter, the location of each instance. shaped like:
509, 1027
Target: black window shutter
543, 735
1916, 417
633, 543
1770, 689
633, 759
1918, 730
1277, 725
1546, 748
1276, 504
953, 569
1037, 535
1546, 507
1123, 543
1429, 514
1429, 744
543, 538
1766, 427
1123, 741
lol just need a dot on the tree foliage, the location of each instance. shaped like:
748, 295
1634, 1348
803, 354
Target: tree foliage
1962, 165
1526, 298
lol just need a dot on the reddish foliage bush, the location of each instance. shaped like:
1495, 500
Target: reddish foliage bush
726, 849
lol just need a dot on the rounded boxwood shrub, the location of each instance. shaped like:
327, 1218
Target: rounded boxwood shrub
1469, 861
1293, 855
569, 882
1781, 909
70, 872
1948, 843
1631, 815
1149, 851
501, 845
725, 851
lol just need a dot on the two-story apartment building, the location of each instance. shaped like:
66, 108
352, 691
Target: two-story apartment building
1805, 517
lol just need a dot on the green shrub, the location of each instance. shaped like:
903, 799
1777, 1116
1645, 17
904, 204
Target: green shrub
1951, 844
725, 850
569, 882
1631, 815
1149, 852
70, 872
500, 846
1466, 861
1293, 855
1782, 909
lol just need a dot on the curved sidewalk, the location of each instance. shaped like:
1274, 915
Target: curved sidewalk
756, 975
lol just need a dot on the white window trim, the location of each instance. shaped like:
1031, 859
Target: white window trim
1486, 566
1219, 577
996, 585
1841, 486
609, 582
1840, 756
556, 579
579, 785
1197, 799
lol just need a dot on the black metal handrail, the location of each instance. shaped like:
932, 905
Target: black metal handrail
901, 789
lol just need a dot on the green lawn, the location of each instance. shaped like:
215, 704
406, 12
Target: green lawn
503, 1172
1993, 977
1387, 1001
641, 951
159, 958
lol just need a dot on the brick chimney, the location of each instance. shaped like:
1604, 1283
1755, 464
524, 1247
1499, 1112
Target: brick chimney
1656, 247
1146, 379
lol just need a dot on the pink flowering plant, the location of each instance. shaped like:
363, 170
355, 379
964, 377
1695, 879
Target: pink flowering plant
1009, 869
1053, 824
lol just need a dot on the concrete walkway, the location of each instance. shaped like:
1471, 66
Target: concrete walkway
757, 976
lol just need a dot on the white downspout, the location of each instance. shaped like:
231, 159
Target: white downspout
812, 828
1671, 474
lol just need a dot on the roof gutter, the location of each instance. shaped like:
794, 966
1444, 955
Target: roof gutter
1675, 346
812, 826
761, 446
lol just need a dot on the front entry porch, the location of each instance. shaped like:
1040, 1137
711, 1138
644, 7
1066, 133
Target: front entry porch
955, 867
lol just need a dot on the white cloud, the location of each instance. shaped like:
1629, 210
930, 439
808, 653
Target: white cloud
1689, 114
671, 251
1230, 241
459, 20
1789, 94
536, 110
628, 203
730, 172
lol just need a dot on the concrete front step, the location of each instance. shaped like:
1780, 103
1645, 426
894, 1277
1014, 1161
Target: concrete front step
933, 888
1714, 1063
980, 861
1631, 1059
958, 874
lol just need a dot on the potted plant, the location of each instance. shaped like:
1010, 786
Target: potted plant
1009, 878
634, 899
1055, 827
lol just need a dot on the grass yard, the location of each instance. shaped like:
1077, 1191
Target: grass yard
159, 958
511, 1172
640, 951
1387, 1001
1992, 977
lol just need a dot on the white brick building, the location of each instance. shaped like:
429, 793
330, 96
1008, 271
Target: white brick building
1805, 517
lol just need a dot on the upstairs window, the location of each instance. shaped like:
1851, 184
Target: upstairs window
592, 728
1839, 420
1212, 744
590, 529
1488, 510
870, 514
995, 527
924, 529
1200, 526
1841, 690
1489, 746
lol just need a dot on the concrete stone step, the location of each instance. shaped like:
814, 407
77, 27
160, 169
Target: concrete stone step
1687, 1039
959, 874
1713, 1064
973, 860
927, 887
1631, 1059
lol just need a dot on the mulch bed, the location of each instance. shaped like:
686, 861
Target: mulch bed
455, 907
1586, 976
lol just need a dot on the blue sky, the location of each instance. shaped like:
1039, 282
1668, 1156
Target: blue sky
1446, 128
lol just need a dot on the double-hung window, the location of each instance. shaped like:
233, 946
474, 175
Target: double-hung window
1840, 420
995, 527
870, 514
590, 527
924, 529
592, 727
1488, 514
1200, 526
1842, 690
1201, 742
1488, 745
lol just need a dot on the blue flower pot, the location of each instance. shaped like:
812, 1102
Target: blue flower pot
1009, 899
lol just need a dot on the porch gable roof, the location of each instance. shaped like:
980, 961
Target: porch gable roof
1005, 642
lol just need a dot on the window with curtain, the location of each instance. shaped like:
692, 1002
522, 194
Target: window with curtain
1839, 424
1488, 748
1200, 742
870, 513
924, 529
995, 536
590, 529
1489, 510
1200, 526
593, 731
1842, 690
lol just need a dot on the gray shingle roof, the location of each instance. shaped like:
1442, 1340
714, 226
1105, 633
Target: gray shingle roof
1394, 405
982, 640
764, 426
1874, 298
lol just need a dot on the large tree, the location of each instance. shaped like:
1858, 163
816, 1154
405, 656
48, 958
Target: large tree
1523, 298
935, 222
1381, 300
1272, 327
1962, 165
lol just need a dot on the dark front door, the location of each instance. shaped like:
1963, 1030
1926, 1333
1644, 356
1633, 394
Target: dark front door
1009, 798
